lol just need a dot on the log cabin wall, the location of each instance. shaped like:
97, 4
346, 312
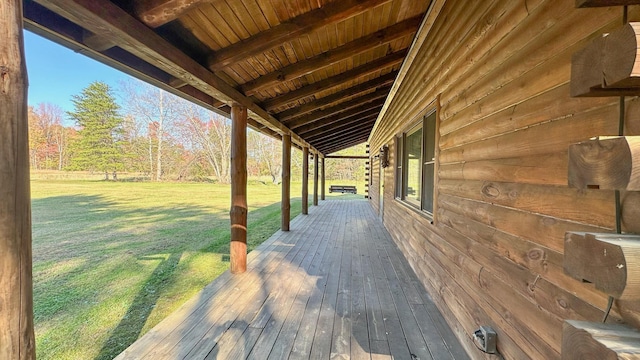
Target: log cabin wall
494, 252
374, 189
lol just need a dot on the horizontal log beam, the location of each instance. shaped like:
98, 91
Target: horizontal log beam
350, 49
343, 110
604, 3
607, 66
590, 340
611, 163
329, 123
293, 28
105, 19
337, 80
610, 261
342, 95
155, 13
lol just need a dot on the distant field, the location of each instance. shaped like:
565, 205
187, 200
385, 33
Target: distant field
112, 259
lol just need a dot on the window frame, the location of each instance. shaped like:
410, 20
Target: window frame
428, 122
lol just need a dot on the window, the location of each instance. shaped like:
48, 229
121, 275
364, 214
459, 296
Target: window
415, 164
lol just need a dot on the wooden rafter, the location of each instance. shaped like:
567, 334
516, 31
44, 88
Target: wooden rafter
358, 90
340, 119
334, 131
335, 135
106, 19
333, 56
155, 13
291, 29
368, 102
345, 145
337, 80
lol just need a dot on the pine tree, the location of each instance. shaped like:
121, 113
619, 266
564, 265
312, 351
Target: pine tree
101, 130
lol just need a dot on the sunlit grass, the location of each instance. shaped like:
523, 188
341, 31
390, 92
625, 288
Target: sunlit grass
112, 259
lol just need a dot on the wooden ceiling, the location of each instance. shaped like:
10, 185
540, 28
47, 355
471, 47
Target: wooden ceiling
318, 69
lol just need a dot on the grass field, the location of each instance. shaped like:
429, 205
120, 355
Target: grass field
112, 259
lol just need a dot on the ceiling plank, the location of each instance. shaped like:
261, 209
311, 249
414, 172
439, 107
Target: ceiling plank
358, 90
340, 118
291, 29
155, 13
370, 101
334, 81
355, 47
105, 19
345, 138
343, 144
333, 148
365, 122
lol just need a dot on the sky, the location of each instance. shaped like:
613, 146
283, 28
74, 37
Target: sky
56, 73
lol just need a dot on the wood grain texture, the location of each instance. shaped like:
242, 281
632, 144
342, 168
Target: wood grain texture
17, 340
589, 340
609, 261
239, 209
601, 3
286, 182
611, 163
305, 180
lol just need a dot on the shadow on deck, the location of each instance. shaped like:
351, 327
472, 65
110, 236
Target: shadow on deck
335, 286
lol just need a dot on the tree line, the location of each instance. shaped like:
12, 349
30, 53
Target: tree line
156, 135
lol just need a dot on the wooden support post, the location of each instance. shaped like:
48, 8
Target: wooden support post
611, 163
322, 181
305, 180
589, 340
286, 182
315, 179
17, 339
610, 261
238, 214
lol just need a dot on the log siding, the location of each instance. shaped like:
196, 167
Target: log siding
494, 256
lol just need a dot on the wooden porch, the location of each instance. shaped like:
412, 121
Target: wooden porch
335, 286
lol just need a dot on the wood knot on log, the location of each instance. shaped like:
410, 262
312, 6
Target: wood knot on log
535, 254
490, 190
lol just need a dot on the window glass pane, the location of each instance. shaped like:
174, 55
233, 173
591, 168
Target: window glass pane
413, 161
427, 200
428, 163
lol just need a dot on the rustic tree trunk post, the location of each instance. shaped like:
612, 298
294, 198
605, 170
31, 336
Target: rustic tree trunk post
286, 181
315, 179
322, 178
238, 214
305, 180
16, 292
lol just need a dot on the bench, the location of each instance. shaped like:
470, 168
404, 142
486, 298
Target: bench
343, 189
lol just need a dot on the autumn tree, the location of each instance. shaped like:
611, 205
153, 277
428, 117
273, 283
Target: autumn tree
267, 155
48, 137
99, 144
155, 111
209, 135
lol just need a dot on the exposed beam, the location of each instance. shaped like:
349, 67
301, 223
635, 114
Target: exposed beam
155, 13
291, 29
342, 95
342, 132
355, 139
330, 150
350, 49
108, 20
338, 120
371, 100
337, 80
97, 42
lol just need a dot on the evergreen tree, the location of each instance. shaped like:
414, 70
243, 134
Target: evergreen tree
101, 130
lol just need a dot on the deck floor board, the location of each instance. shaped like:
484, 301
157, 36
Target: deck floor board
335, 286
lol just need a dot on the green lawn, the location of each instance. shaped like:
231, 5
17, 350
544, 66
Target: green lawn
112, 259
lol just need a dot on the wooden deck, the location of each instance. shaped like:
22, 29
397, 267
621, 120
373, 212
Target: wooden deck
335, 286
